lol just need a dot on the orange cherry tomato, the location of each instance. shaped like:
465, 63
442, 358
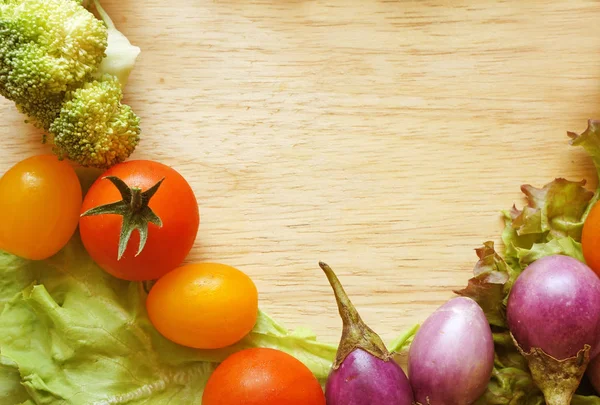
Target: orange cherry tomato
205, 306
166, 247
590, 239
40, 199
262, 377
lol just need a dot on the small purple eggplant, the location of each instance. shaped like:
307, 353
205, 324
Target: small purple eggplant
451, 358
553, 314
364, 372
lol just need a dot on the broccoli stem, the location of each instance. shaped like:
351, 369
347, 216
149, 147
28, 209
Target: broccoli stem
103, 14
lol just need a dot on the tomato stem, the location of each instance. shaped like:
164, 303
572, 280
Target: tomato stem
134, 209
136, 199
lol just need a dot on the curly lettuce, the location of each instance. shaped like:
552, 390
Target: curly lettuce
11, 390
550, 223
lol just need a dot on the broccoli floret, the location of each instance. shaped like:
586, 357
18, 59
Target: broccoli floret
41, 110
47, 47
93, 127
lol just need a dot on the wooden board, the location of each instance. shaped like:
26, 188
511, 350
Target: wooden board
382, 137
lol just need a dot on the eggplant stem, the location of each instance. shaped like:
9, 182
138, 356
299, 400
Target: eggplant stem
356, 334
558, 379
347, 310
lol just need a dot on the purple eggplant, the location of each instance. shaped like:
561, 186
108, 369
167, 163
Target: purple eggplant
452, 356
553, 313
364, 372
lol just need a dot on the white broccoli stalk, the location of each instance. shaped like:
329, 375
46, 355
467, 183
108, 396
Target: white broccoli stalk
121, 55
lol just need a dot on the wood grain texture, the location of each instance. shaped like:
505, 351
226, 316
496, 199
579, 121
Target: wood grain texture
382, 137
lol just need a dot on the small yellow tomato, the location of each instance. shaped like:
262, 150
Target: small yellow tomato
40, 202
204, 306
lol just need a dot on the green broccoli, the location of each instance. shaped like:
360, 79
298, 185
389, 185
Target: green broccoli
66, 69
93, 127
40, 59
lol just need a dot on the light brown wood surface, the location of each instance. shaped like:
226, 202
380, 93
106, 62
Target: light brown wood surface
382, 137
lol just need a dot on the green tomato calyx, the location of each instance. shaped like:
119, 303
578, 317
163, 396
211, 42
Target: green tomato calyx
134, 209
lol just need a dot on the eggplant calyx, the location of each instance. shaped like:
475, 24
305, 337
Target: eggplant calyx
355, 334
134, 209
557, 379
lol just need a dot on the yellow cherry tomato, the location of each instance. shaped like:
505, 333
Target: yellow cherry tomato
204, 306
40, 202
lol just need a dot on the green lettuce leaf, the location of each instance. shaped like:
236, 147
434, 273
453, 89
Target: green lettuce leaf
590, 141
511, 382
564, 246
585, 400
554, 211
72, 334
11, 390
490, 284
11, 282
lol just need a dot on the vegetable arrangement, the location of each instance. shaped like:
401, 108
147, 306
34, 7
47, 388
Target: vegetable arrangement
96, 305
541, 297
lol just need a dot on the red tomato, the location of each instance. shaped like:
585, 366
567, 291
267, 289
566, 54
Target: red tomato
167, 245
590, 239
262, 377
